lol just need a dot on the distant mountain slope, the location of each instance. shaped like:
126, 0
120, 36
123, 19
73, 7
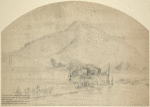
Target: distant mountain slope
83, 43
94, 46
53, 43
46, 45
59, 16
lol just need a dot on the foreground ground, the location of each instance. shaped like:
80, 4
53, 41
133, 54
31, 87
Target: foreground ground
55, 89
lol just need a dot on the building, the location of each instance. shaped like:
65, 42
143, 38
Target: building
91, 77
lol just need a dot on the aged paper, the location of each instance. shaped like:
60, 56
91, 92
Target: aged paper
75, 53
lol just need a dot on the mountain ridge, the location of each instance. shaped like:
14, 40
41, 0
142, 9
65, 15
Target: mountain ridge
82, 42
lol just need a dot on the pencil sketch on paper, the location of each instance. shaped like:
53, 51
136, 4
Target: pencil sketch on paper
75, 53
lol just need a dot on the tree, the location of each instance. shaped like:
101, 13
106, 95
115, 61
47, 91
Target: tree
60, 64
70, 66
53, 61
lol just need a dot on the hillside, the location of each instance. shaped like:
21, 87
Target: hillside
56, 17
83, 43
94, 46
46, 46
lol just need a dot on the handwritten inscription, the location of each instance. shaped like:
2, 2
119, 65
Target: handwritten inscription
15, 99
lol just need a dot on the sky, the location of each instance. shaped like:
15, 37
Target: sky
10, 10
